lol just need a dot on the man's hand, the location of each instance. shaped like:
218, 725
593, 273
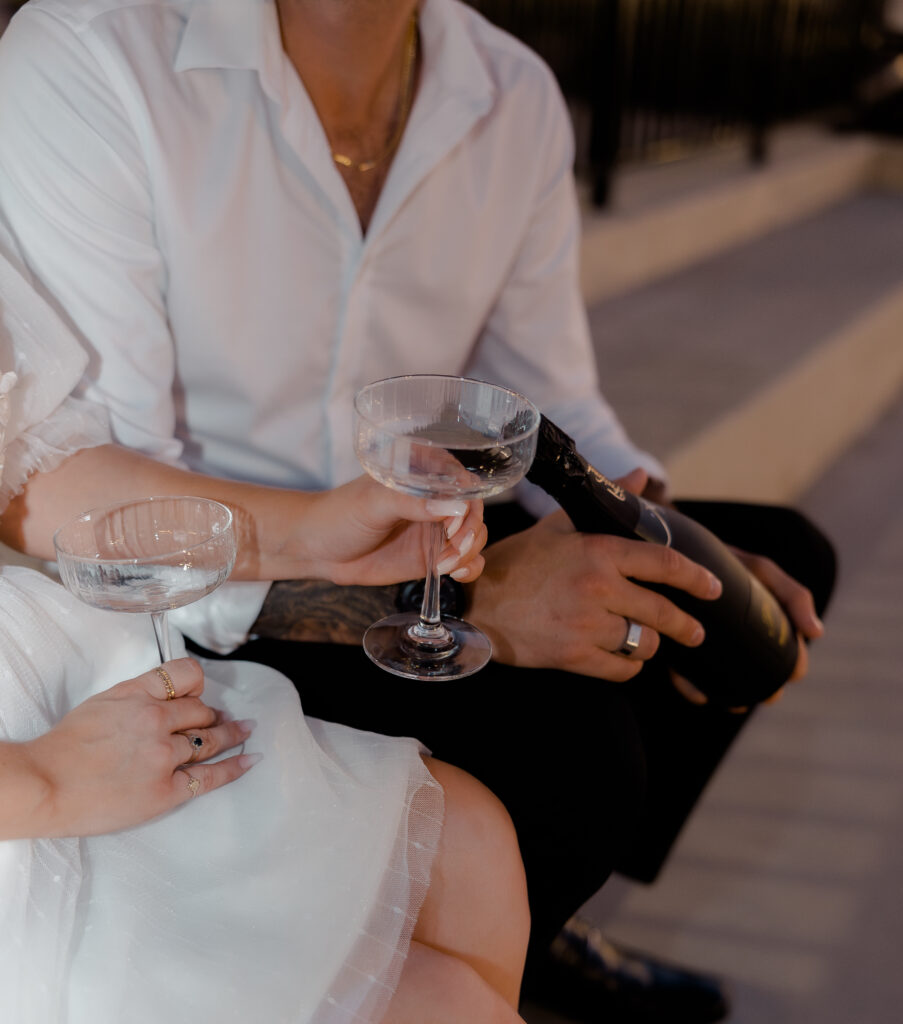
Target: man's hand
794, 598
797, 602
554, 598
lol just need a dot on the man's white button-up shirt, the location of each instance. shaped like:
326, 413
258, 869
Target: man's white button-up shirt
167, 179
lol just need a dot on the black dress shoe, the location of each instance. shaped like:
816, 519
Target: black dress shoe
589, 979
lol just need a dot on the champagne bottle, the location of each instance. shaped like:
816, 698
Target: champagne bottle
750, 647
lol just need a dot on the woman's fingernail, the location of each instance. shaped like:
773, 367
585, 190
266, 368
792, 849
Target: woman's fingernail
246, 724
436, 507
460, 574
247, 761
466, 544
697, 637
447, 564
454, 526
714, 586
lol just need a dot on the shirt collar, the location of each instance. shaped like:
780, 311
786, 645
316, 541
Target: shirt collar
244, 34
455, 92
227, 34
454, 64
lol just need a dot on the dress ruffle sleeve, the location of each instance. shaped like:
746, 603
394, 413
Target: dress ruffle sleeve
41, 363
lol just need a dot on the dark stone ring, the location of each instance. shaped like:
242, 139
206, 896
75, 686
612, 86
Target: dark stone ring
196, 744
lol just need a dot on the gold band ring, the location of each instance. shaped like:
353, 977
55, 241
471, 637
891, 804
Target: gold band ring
193, 784
167, 682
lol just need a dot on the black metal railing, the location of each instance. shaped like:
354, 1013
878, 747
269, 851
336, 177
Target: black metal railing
665, 75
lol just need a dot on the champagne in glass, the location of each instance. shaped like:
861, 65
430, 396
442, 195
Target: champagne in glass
147, 556
446, 438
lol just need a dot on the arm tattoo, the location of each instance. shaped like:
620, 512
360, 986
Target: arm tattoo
322, 612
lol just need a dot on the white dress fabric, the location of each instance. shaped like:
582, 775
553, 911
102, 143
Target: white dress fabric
288, 896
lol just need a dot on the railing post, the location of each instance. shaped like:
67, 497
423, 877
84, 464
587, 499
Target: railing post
605, 96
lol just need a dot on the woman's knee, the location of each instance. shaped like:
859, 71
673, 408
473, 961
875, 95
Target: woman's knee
476, 820
480, 843
438, 988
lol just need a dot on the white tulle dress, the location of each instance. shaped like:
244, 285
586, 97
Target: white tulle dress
287, 896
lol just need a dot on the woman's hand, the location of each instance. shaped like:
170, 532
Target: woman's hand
366, 534
127, 755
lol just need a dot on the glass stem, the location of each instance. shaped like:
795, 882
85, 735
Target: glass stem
430, 628
161, 632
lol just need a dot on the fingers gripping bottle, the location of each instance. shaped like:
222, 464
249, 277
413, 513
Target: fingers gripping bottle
750, 647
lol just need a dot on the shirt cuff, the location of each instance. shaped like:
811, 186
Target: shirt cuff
222, 621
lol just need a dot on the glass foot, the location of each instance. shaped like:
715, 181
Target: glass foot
390, 645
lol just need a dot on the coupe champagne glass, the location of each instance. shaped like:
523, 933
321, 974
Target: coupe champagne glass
147, 556
446, 438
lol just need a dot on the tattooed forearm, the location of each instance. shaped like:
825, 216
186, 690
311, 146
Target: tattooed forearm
318, 611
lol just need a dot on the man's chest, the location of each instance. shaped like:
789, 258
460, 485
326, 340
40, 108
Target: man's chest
256, 246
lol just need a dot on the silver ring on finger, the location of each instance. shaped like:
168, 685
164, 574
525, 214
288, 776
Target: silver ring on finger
197, 745
631, 639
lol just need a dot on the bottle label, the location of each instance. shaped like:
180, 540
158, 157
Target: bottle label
777, 627
613, 489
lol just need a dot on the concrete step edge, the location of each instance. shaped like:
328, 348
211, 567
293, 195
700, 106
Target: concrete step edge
620, 253
774, 445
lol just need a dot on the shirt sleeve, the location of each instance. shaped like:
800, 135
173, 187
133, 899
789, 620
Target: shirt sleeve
537, 335
74, 192
76, 197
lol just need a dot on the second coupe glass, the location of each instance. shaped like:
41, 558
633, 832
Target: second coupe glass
447, 438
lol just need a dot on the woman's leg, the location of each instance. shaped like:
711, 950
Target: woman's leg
470, 941
439, 988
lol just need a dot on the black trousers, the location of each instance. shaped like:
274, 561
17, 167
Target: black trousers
596, 776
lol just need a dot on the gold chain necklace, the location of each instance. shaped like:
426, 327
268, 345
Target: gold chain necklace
407, 92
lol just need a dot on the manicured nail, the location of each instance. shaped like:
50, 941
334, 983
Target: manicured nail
247, 761
447, 564
436, 507
714, 586
246, 725
466, 544
454, 526
460, 574
697, 637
